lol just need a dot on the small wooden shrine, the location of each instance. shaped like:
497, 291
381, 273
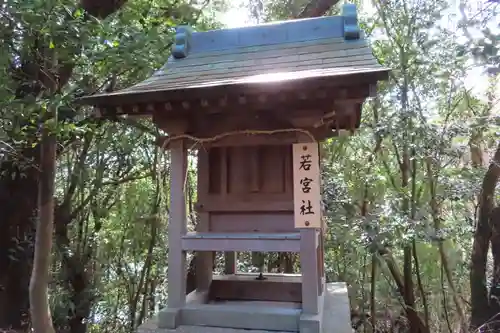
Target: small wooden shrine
254, 102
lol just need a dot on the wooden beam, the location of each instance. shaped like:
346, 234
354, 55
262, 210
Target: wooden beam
257, 202
241, 222
230, 263
255, 173
309, 270
204, 260
224, 172
246, 287
226, 242
267, 101
311, 83
173, 125
177, 228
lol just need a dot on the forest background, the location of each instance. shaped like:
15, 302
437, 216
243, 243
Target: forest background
413, 226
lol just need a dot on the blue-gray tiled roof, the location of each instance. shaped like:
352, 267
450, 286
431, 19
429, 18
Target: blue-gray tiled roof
324, 46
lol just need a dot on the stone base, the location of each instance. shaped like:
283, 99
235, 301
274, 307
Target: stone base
334, 319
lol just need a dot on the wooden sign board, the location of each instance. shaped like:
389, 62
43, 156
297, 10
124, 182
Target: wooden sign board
306, 185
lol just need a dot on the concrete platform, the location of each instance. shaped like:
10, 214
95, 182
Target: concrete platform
336, 317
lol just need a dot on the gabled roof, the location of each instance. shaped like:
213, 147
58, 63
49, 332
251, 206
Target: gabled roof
297, 49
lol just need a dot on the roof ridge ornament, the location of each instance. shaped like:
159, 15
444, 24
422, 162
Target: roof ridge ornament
182, 42
351, 27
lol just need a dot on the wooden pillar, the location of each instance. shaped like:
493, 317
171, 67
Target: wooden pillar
204, 260
321, 261
308, 219
309, 270
229, 262
319, 267
322, 235
321, 257
229, 257
177, 228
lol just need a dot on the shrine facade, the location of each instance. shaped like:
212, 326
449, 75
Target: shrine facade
255, 103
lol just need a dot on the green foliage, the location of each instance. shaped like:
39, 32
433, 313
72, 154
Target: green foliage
425, 120
481, 31
111, 180
404, 181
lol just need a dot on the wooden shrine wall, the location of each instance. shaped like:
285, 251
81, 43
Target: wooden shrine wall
247, 188
254, 169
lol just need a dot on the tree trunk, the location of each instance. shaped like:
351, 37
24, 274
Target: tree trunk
436, 218
480, 308
18, 200
317, 8
18, 203
39, 284
494, 298
416, 323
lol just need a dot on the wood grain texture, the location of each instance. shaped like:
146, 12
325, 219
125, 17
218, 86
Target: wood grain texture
225, 242
247, 288
306, 185
177, 228
309, 270
252, 223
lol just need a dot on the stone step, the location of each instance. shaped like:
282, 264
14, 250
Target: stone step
252, 315
231, 317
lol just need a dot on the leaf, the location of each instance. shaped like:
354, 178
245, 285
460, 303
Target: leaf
78, 13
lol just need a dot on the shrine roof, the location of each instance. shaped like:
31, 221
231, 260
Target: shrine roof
332, 46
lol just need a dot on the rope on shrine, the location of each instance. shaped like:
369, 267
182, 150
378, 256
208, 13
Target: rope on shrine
217, 137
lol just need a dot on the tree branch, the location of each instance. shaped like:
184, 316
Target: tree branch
317, 8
